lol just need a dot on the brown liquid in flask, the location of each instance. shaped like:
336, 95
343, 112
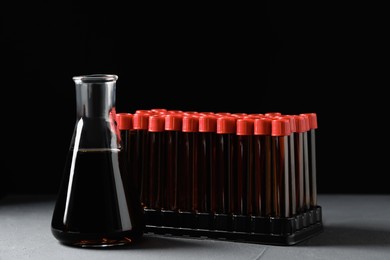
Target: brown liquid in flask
97, 204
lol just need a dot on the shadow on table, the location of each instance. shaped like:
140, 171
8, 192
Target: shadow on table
342, 235
27, 199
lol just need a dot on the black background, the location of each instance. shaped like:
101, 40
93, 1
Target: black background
286, 57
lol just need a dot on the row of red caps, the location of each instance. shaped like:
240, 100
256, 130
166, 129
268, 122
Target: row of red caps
272, 123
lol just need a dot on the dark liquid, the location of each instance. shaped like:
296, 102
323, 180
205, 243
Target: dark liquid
262, 175
224, 172
313, 168
173, 168
206, 173
280, 182
299, 172
242, 203
187, 189
97, 204
156, 175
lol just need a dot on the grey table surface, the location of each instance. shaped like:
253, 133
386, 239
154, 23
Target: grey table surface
355, 227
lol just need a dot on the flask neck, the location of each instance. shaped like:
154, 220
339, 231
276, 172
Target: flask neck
95, 95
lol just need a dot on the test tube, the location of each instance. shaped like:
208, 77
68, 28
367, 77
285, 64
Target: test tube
188, 178
125, 126
156, 161
262, 201
207, 167
242, 203
280, 168
173, 128
313, 125
293, 199
306, 162
300, 128
226, 132
139, 159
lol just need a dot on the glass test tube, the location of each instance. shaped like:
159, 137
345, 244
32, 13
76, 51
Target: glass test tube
293, 199
313, 125
306, 165
300, 128
207, 167
242, 200
139, 154
280, 167
156, 161
125, 125
262, 167
173, 130
188, 201
226, 133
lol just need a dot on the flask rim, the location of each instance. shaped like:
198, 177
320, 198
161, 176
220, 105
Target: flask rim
94, 78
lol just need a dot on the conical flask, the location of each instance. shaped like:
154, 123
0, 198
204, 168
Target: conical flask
98, 204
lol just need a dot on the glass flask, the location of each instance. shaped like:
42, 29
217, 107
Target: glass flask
98, 203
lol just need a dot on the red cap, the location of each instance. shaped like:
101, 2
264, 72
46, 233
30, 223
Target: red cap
312, 120
173, 121
255, 115
223, 114
281, 127
174, 111
156, 123
244, 126
207, 123
239, 115
226, 125
158, 110
273, 114
141, 120
190, 123
190, 113
206, 113
307, 121
142, 111
300, 124
293, 126
124, 121
262, 126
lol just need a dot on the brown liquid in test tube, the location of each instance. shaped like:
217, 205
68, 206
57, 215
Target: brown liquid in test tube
300, 128
156, 161
139, 153
262, 201
306, 168
242, 203
293, 199
187, 180
312, 157
207, 163
125, 125
280, 166
173, 128
226, 133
